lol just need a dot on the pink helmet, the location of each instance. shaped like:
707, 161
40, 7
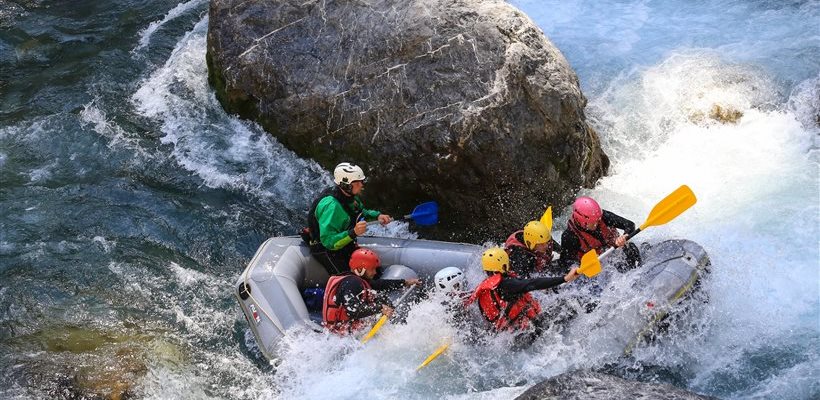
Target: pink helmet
586, 211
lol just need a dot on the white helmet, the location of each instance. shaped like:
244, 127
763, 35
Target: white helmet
345, 173
450, 280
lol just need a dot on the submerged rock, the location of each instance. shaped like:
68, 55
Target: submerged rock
464, 102
89, 363
588, 385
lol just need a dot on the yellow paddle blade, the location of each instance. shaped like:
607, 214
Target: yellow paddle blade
433, 356
375, 329
546, 219
670, 207
590, 265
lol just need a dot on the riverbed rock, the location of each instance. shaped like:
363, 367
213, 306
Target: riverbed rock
589, 385
465, 102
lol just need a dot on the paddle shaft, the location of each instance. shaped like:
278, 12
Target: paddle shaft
404, 218
611, 249
435, 354
383, 318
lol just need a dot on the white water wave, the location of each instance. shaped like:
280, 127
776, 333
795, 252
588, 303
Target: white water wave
757, 184
223, 150
804, 102
180, 9
102, 125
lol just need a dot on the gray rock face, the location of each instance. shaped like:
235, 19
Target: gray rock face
588, 385
465, 102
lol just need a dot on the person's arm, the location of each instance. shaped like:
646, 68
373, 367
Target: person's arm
387, 284
570, 246
350, 294
333, 222
617, 221
517, 286
367, 213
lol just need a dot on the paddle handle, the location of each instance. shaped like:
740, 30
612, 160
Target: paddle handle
611, 249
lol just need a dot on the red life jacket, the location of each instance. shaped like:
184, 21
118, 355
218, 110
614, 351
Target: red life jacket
541, 259
334, 315
589, 240
502, 314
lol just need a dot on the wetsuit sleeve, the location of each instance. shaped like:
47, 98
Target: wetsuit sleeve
387, 284
616, 221
333, 224
367, 213
350, 294
510, 287
570, 246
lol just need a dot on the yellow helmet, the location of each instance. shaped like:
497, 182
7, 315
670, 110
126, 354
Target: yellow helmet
535, 233
495, 260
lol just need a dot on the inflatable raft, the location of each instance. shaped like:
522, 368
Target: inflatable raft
271, 287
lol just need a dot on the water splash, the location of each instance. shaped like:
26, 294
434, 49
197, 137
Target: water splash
224, 151
180, 9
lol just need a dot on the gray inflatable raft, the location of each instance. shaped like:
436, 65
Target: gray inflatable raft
283, 267
269, 291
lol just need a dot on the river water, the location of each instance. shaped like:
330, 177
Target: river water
130, 202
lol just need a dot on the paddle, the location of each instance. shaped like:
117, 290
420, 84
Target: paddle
435, 354
424, 214
546, 219
383, 318
666, 210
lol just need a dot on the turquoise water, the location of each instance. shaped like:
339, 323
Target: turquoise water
130, 202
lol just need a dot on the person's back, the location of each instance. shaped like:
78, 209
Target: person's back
352, 296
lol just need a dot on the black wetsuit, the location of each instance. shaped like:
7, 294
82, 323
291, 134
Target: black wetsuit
571, 245
523, 262
348, 296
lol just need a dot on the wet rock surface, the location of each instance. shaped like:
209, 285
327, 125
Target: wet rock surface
463, 102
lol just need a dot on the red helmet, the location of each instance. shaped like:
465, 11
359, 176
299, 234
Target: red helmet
586, 211
364, 259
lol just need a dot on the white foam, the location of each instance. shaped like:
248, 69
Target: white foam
180, 9
187, 276
106, 245
757, 185
118, 137
222, 150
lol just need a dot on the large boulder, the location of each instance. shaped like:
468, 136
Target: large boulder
465, 102
589, 385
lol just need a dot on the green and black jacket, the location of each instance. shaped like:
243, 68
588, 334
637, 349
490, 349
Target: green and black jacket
332, 216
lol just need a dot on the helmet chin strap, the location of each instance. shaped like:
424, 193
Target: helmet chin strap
346, 189
359, 271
